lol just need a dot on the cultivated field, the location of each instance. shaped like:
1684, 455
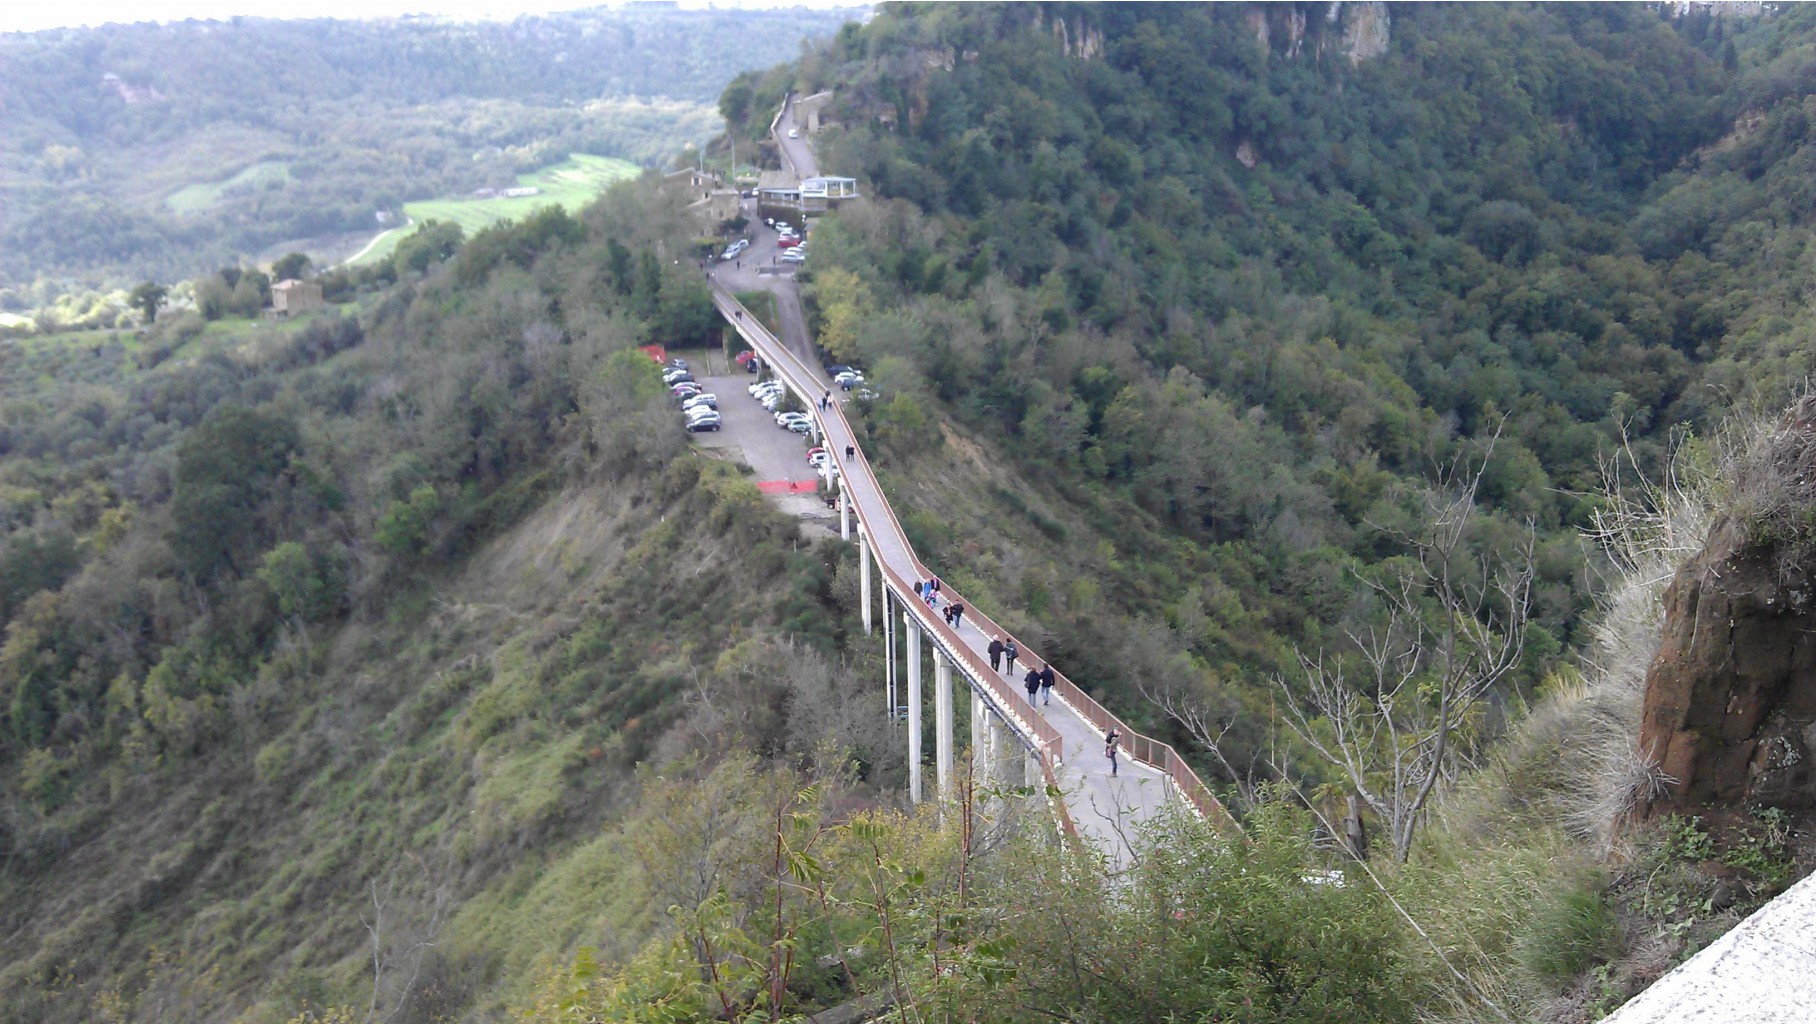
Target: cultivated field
573, 183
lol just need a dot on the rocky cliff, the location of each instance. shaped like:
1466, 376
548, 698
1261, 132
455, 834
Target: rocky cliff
1730, 703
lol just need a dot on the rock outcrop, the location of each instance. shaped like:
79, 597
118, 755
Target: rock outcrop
1730, 703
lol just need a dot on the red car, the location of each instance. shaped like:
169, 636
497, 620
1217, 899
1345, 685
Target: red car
787, 241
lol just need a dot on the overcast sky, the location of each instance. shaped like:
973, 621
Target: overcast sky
23, 16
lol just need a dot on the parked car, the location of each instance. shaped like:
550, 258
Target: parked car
699, 410
704, 423
754, 366
677, 363
673, 377
683, 392
787, 241
700, 401
734, 250
815, 450
793, 256
865, 395
783, 419
794, 133
838, 368
818, 459
855, 380
846, 376
799, 426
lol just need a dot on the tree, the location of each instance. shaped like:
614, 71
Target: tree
224, 471
404, 527
146, 298
1393, 715
289, 267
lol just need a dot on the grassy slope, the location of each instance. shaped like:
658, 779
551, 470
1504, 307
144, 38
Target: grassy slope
572, 183
463, 752
205, 195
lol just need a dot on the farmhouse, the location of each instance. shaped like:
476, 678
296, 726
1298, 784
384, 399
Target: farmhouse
291, 297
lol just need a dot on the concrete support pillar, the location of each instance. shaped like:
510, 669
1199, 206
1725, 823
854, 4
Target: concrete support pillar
889, 654
864, 577
911, 631
1031, 773
844, 508
983, 772
942, 721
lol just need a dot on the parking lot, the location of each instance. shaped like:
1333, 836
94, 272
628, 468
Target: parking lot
777, 456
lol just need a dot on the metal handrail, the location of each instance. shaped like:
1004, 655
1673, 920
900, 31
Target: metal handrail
1161, 756
1012, 703
1145, 749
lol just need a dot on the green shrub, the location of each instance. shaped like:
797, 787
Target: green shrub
1569, 933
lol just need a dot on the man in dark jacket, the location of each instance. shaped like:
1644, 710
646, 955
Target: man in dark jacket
1009, 654
996, 653
1046, 685
1032, 682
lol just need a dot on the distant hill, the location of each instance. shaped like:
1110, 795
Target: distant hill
161, 151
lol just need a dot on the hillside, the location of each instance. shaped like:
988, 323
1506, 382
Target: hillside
406, 663
123, 163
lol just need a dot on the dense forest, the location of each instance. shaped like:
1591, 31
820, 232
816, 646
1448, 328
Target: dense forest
405, 663
124, 162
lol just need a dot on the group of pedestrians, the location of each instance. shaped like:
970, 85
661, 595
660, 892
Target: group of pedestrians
1038, 681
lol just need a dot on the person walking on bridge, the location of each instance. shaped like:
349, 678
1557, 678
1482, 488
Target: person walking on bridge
1009, 653
958, 614
1109, 747
1032, 683
1046, 685
996, 653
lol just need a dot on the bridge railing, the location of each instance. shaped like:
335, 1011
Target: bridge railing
1012, 703
1147, 750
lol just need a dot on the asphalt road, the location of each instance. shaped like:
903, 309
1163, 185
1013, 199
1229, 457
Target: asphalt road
772, 453
796, 152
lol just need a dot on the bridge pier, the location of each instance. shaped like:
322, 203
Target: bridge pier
912, 635
982, 770
942, 721
889, 680
864, 577
844, 508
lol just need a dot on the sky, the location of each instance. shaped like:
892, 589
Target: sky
17, 16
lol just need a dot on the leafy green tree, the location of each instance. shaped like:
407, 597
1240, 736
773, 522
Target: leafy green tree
404, 527
226, 471
308, 587
431, 243
146, 298
290, 266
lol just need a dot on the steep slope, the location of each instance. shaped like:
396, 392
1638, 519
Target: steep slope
348, 636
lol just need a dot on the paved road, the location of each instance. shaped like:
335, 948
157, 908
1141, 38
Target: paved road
796, 152
1105, 810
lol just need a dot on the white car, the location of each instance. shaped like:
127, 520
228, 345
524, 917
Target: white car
764, 387
698, 411
794, 133
818, 459
783, 419
793, 256
799, 426
701, 401
848, 377
734, 250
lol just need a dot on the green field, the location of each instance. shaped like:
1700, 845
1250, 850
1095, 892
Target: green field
196, 198
573, 183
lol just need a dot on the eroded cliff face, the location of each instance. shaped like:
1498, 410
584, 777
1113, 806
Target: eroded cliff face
1357, 31
1730, 704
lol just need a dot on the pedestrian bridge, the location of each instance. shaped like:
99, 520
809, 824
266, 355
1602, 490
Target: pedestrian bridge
1058, 748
